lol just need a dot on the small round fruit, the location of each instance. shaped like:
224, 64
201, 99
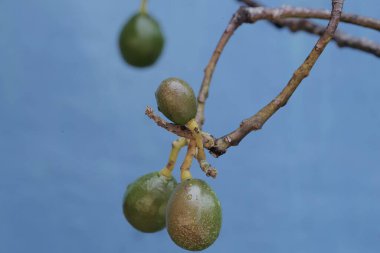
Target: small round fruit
145, 201
141, 40
193, 215
176, 100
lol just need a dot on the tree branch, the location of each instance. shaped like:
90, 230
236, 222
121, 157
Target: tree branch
219, 146
258, 120
280, 17
342, 39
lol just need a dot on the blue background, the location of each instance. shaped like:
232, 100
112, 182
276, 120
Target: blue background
73, 132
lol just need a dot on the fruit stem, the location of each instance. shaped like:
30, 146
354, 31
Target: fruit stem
177, 145
201, 156
206, 167
143, 6
185, 167
192, 125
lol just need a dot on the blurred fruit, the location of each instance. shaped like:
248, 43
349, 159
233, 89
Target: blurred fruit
145, 201
141, 40
176, 100
193, 215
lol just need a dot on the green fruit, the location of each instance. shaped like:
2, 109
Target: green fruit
141, 40
176, 100
145, 201
193, 215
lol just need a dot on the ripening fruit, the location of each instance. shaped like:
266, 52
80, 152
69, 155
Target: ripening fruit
176, 100
193, 215
145, 201
141, 40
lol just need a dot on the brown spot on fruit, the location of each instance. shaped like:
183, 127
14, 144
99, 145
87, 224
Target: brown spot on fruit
193, 223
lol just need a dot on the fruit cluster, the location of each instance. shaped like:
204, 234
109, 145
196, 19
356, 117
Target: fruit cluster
190, 210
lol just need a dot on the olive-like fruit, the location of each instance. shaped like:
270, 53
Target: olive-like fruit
193, 215
176, 100
141, 40
145, 201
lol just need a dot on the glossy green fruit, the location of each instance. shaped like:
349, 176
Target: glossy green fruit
176, 100
141, 40
145, 201
193, 215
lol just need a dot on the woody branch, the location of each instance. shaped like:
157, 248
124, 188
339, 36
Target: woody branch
219, 146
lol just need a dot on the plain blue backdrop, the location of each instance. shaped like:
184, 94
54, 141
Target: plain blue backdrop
73, 132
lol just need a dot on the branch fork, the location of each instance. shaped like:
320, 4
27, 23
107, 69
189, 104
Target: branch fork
296, 20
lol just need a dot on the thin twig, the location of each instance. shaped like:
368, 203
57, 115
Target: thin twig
258, 120
274, 14
179, 130
182, 131
341, 39
209, 70
354, 19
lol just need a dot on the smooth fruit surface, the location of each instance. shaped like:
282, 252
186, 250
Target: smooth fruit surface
176, 100
141, 40
194, 215
145, 201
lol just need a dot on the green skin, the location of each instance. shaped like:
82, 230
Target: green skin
194, 215
141, 40
145, 201
176, 100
